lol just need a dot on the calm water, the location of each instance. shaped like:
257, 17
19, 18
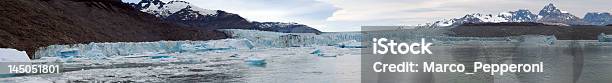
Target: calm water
306, 68
564, 62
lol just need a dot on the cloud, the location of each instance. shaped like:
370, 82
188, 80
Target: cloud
309, 12
349, 15
412, 12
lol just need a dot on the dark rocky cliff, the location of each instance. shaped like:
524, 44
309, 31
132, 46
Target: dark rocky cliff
30, 24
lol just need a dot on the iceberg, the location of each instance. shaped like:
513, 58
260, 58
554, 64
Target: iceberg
318, 52
604, 38
255, 61
13, 55
163, 58
350, 44
538, 40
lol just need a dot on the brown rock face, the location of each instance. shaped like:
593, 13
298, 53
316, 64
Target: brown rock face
30, 24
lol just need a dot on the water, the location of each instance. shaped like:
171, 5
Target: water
308, 69
565, 62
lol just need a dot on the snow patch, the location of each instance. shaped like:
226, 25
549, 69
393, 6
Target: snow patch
174, 6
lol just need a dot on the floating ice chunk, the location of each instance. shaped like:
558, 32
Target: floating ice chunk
350, 44
234, 55
327, 55
604, 38
161, 56
164, 58
255, 61
13, 55
318, 52
538, 40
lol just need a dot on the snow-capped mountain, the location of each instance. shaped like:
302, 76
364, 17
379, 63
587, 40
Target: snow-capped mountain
285, 27
164, 10
511, 16
548, 15
551, 14
598, 18
188, 14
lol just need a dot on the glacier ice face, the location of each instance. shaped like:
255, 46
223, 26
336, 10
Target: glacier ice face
276, 39
13, 55
68, 53
241, 40
105, 50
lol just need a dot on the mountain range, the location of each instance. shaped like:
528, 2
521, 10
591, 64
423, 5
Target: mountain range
550, 15
185, 13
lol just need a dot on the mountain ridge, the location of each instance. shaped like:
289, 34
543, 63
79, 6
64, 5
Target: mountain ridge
549, 14
185, 13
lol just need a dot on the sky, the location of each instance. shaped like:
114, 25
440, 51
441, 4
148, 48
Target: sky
350, 15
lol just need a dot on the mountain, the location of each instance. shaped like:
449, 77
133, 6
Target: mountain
598, 18
285, 27
185, 13
30, 24
548, 15
511, 16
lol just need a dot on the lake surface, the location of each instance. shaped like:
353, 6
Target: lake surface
564, 62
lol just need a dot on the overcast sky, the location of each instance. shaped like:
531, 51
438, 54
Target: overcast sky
349, 15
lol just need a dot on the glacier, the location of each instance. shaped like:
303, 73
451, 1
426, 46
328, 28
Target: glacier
241, 40
105, 50
276, 39
270, 52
